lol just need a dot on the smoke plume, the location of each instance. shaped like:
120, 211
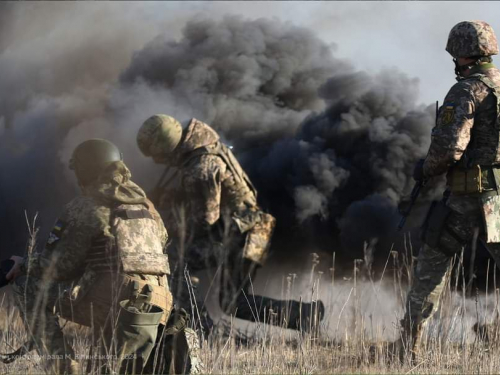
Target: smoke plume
330, 149
334, 146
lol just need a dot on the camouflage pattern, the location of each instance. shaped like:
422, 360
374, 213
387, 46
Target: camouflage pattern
471, 39
212, 204
213, 185
433, 264
159, 135
491, 209
259, 238
36, 300
178, 349
466, 135
198, 134
139, 243
202, 182
470, 108
65, 277
196, 365
88, 217
211, 208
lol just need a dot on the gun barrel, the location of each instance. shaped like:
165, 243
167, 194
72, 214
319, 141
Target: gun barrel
401, 223
413, 198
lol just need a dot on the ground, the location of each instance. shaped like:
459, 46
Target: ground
361, 314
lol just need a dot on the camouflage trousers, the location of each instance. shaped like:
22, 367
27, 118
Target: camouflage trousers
433, 264
42, 302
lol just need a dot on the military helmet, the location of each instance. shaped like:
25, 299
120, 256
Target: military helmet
91, 157
472, 39
159, 135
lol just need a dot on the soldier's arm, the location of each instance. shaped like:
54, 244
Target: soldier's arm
64, 255
204, 183
451, 135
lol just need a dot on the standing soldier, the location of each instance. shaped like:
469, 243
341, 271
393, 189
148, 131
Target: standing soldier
215, 219
103, 266
466, 146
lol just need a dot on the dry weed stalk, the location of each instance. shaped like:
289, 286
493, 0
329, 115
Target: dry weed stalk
340, 345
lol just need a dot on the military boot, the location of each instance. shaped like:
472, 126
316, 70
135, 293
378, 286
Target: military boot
408, 343
398, 350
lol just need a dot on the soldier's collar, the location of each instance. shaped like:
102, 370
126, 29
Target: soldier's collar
481, 68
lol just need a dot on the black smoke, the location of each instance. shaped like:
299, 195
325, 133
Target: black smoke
331, 149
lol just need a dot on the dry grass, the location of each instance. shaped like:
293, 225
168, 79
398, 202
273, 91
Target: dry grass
361, 312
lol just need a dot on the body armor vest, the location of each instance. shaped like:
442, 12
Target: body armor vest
135, 247
484, 145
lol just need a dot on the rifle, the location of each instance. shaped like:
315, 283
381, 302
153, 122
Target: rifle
415, 192
413, 198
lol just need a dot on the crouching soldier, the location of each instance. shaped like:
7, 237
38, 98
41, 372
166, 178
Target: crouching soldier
103, 266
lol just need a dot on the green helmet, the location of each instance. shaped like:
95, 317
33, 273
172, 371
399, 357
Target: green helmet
159, 135
472, 39
91, 157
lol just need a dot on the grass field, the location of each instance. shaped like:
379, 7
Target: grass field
361, 312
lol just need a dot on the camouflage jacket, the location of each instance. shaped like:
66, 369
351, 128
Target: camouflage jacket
205, 187
468, 131
87, 223
466, 124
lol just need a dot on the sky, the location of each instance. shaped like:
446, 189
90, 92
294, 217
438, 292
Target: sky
374, 35
409, 35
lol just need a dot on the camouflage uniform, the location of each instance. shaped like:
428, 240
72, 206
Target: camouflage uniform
105, 243
464, 140
212, 209
211, 205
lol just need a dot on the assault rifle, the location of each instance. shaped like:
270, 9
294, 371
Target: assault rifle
415, 192
413, 198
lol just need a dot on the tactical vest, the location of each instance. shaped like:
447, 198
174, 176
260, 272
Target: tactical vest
238, 190
484, 145
135, 247
478, 170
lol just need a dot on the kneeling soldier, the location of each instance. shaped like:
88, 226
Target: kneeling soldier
103, 266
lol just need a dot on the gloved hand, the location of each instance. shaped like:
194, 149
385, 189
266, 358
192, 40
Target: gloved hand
418, 171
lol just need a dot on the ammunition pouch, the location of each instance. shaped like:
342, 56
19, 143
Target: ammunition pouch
465, 180
259, 228
434, 223
5, 266
160, 295
474, 180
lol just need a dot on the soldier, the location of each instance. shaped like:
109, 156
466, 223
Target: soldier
215, 219
466, 146
103, 266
